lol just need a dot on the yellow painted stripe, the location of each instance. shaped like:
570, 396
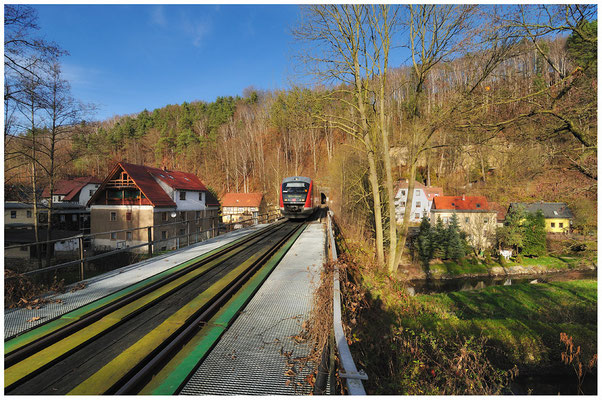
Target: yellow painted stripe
108, 375
43, 357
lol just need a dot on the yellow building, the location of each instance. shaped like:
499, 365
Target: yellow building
557, 215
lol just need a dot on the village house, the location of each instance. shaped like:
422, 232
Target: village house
176, 204
242, 206
76, 190
19, 230
501, 212
421, 202
69, 199
558, 216
475, 217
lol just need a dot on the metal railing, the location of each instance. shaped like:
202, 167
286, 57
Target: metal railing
215, 229
352, 376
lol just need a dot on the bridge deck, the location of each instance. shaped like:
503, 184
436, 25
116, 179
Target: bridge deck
20, 319
256, 353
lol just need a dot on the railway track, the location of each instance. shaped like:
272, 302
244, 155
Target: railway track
150, 337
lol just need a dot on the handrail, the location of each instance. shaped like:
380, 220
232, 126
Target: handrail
128, 248
352, 376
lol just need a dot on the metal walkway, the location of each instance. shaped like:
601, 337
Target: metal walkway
254, 356
18, 320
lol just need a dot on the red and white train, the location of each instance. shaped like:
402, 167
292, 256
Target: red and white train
299, 197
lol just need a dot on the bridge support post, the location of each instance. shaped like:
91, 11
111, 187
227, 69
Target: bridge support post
81, 258
149, 232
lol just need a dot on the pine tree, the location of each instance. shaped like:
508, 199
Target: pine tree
424, 243
454, 248
438, 239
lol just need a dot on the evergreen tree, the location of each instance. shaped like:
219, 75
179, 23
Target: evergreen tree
534, 243
424, 243
454, 249
438, 239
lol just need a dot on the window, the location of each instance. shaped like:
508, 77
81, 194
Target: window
417, 215
163, 234
128, 216
417, 192
113, 216
485, 220
403, 192
74, 218
164, 216
466, 219
552, 224
182, 232
62, 218
240, 209
200, 196
183, 215
13, 214
28, 214
91, 192
445, 219
403, 203
561, 225
128, 236
417, 204
197, 215
182, 195
113, 235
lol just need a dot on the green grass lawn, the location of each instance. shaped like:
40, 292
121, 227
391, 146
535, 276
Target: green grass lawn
522, 322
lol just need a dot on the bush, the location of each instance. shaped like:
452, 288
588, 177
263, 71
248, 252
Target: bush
487, 257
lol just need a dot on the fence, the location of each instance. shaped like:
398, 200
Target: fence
349, 372
125, 253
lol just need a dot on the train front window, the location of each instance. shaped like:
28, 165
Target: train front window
295, 187
294, 192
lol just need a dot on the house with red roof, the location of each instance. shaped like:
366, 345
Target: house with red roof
475, 217
76, 190
242, 206
421, 201
176, 204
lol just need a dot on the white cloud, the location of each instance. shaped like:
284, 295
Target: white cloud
158, 17
80, 76
196, 28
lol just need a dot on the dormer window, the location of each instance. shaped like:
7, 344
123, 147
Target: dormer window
182, 195
478, 205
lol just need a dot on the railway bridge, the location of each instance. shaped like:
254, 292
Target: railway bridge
219, 317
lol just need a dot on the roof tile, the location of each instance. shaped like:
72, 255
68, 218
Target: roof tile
242, 199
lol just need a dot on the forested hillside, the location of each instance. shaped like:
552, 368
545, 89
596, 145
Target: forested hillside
508, 112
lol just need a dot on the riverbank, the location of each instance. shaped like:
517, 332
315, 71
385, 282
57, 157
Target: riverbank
522, 323
473, 269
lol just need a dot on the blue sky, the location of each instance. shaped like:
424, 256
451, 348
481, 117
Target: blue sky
128, 58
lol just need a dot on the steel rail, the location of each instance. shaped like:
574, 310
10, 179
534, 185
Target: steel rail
352, 376
147, 368
44, 341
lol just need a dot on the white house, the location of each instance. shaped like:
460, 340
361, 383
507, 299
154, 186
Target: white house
421, 202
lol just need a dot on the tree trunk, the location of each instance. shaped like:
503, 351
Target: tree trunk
378, 221
403, 234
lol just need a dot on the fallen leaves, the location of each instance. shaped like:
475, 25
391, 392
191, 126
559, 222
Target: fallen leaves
33, 319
